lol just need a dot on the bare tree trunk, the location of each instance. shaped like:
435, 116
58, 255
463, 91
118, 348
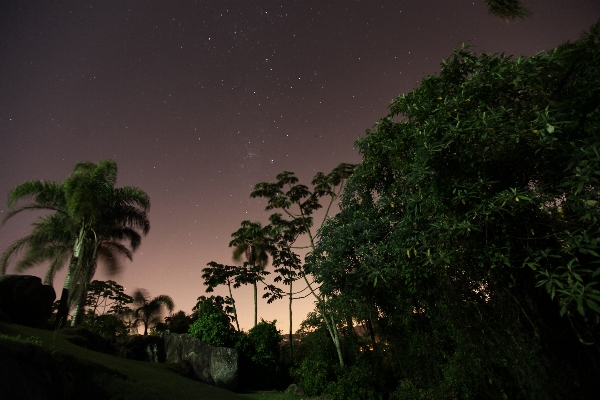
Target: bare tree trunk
234, 309
331, 327
255, 306
291, 337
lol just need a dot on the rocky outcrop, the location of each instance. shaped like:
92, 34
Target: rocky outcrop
24, 300
213, 365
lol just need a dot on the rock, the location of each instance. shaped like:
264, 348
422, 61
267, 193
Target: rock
24, 300
142, 348
295, 389
217, 366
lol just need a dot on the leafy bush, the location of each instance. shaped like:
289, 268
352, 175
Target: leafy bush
312, 376
259, 358
357, 382
212, 326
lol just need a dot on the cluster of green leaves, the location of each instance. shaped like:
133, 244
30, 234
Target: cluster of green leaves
212, 324
474, 212
260, 368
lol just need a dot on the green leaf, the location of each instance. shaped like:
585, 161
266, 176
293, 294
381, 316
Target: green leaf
563, 310
580, 306
549, 128
591, 304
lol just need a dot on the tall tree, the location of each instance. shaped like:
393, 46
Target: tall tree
90, 221
470, 229
298, 203
219, 274
251, 242
149, 311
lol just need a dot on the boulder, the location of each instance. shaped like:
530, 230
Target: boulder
295, 389
24, 300
216, 366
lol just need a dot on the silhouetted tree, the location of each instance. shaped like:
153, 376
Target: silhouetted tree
90, 221
148, 311
252, 243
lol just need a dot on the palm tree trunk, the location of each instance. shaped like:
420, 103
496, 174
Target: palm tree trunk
63, 307
87, 277
76, 314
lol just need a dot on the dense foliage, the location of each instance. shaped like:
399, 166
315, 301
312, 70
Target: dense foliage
259, 357
212, 325
468, 236
178, 322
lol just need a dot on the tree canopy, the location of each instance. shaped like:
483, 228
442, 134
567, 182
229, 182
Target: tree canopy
90, 221
470, 229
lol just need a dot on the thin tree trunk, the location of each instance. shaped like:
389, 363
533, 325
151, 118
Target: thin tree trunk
255, 306
336, 341
331, 327
291, 337
233, 305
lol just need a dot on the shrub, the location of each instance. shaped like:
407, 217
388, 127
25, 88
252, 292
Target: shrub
212, 325
312, 376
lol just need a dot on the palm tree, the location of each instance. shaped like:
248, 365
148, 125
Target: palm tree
91, 220
507, 9
148, 311
252, 242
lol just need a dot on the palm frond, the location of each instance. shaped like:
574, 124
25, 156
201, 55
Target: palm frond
56, 265
507, 9
165, 300
41, 192
11, 251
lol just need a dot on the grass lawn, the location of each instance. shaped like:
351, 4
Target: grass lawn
121, 378
275, 396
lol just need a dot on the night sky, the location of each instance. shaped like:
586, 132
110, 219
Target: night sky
199, 101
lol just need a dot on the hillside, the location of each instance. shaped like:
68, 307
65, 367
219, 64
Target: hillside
89, 373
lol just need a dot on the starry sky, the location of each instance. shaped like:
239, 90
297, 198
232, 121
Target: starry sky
197, 101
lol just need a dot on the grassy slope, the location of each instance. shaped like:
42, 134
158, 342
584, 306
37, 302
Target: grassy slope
140, 380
